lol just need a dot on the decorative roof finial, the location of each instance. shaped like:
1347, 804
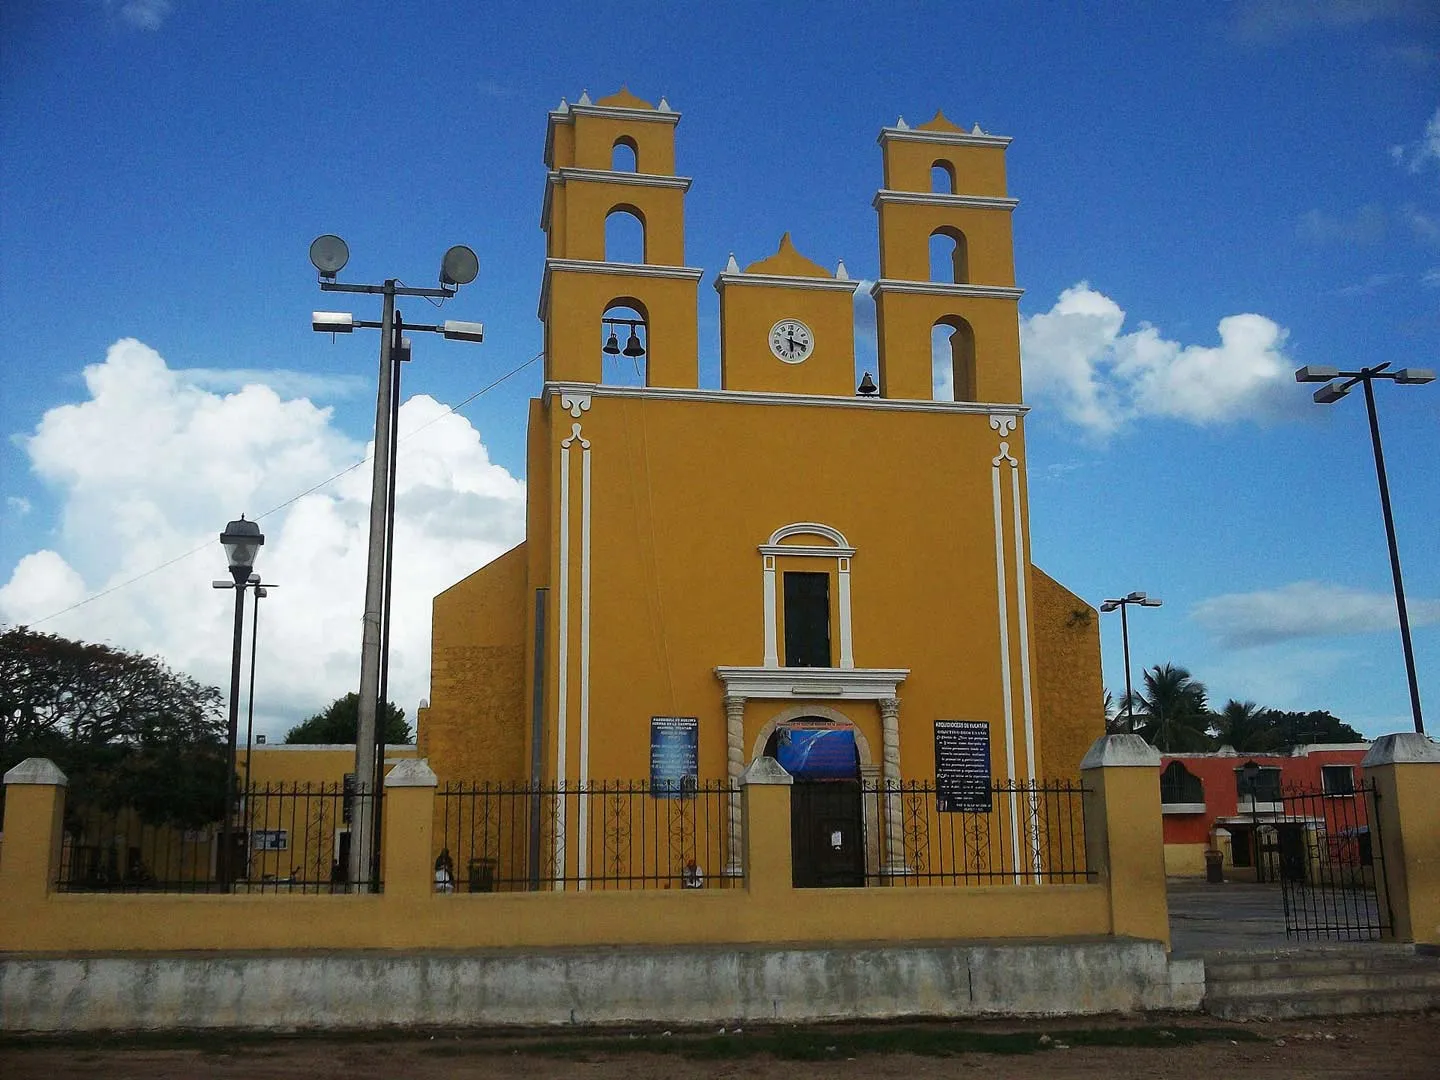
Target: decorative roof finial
976, 129
664, 105
584, 98
841, 274
902, 125
732, 267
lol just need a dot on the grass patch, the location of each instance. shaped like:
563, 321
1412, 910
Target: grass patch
800, 1043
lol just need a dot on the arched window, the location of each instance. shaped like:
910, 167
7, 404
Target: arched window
949, 256
624, 342
942, 178
952, 356
625, 235
625, 155
1179, 785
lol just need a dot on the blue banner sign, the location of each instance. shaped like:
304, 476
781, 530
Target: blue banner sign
962, 766
674, 756
818, 753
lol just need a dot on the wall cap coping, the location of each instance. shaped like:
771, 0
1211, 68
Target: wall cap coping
415, 772
1120, 751
36, 770
1402, 748
765, 770
770, 397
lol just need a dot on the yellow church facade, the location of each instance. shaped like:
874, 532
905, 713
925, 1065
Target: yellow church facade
792, 552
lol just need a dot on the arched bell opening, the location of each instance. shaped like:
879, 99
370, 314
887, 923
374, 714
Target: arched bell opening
952, 356
625, 235
949, 256
624, 342
942, 178
625, 155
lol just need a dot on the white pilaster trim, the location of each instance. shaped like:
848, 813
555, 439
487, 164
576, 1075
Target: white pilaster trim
1003, 619
562, 663
1023, 628
584, 777
772, 648
847, 655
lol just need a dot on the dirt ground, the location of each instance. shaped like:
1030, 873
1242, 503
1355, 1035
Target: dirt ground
1371, 1048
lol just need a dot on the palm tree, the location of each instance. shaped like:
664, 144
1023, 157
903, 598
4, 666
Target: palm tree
1172, 712
1245, 726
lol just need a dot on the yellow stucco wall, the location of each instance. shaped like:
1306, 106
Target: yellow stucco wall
1185, 860
1069, 690
476, 724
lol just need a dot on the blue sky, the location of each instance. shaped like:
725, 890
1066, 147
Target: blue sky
1210, 195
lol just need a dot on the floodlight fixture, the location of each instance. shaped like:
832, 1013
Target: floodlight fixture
1109, 605
332, 322
329, 254
1316, 373
1330, 393
1136, 597
1151, 602
459, 266
455, 330
1414, 376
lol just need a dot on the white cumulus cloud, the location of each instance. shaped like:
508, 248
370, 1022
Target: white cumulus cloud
150, 467
1424, 151
1078, 356
144, 14
1304, 609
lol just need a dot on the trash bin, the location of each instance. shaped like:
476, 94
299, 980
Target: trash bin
1214, 862
482, 875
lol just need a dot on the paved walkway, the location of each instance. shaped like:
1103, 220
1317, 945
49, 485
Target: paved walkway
1236, 915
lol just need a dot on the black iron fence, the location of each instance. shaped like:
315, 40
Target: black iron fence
1331, 865
283, 838
606, 835
1007, 834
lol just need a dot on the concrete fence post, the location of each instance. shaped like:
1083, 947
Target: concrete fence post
1405, 769
1124, 834
407, 863
765, 793
33, 826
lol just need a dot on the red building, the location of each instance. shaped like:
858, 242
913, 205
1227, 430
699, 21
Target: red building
1227, 801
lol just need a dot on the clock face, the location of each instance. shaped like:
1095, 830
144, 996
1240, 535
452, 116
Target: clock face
791, 341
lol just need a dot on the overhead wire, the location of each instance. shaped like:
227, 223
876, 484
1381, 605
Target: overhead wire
293, 499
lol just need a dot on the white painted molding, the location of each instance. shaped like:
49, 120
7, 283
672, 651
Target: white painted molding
575, 404
806, 549
595, 266
765, 770
37, 770
584, 107
888, 196
414, 772
785, 281
764, 397
1120, 751
953, 138
860, 684
1182, 808
1003, 423
804, 528
945, 288
612, 176
1402, 748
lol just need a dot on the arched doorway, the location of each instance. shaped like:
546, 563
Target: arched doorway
827, 814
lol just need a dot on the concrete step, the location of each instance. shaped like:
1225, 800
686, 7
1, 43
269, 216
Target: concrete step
1280, 985
1326, 981
1324, 1003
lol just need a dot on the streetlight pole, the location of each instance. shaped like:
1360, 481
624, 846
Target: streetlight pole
261, 592
242, 541
1122, 603
329, 254
1332, 392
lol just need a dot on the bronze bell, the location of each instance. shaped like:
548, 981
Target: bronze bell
633, 346
612, 345
867, 386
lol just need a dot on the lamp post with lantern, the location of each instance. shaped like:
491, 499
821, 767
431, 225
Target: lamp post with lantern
242, 541
1122, 603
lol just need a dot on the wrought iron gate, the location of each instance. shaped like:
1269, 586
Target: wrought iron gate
1331, 865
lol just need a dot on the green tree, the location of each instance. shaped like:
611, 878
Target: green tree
1304, 728
124, 728
1246, 727
1172, 712
339, 721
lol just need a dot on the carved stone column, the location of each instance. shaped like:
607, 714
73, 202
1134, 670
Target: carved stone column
734, 767
890, 774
